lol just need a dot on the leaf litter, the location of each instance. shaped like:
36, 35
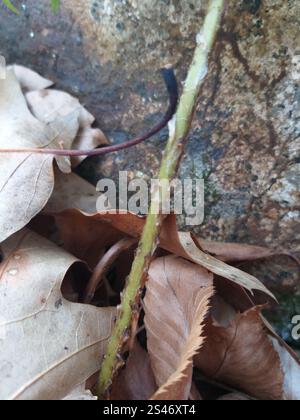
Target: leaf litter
33, 120
200, 312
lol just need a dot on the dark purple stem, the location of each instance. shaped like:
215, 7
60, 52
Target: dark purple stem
172, 87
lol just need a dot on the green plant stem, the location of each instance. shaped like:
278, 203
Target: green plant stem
179, 130
11, 6
55, 4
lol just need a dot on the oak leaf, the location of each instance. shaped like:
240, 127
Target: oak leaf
38, 120
48, 345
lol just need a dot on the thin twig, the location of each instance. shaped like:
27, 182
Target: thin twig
179, 130
104, 265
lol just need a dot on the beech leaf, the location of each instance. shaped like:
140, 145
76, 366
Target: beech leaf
176, 304
239, 351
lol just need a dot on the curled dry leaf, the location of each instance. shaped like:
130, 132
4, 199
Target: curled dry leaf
239, 277
188, 246
51, 105
232, 252
176, 304
71, 192
240, 352
86, 237
290, 366
136, 381
27, 180
48, 345
179, 243
87, 139
226, 252
29, 79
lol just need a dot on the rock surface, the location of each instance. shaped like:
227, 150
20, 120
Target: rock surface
245, 140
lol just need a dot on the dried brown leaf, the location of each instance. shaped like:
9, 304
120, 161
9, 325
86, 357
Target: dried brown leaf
239, 277
71, 192
29, 79
26, 180
86, 237
176, 304
48, 345
232, 252
185, 245
56, 120
51, 105
87, 139
290, 365
239, 352
136, 381
179, 243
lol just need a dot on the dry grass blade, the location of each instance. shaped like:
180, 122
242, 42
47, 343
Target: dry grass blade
194, 253
176, 304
